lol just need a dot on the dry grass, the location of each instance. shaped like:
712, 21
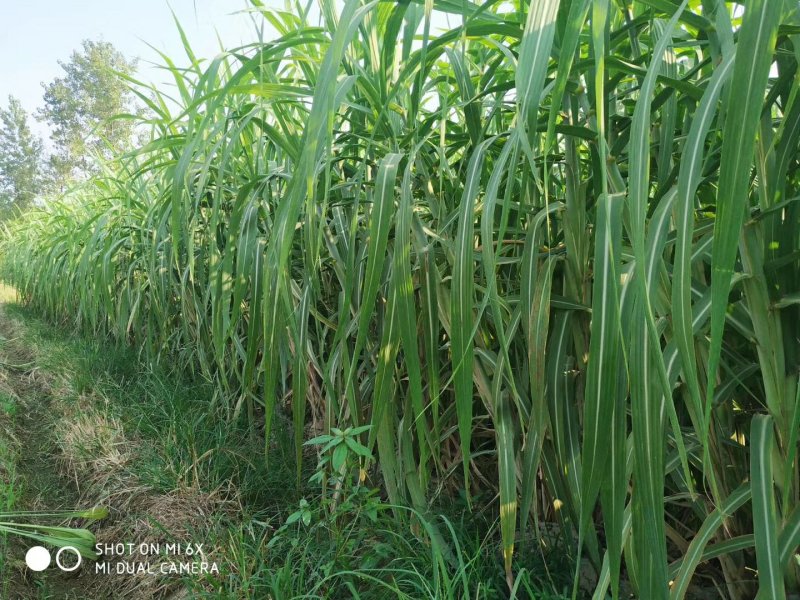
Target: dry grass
95, 455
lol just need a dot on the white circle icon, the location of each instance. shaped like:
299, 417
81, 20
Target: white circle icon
37, 558
58, 559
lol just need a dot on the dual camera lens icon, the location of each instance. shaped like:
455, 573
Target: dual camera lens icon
38, 558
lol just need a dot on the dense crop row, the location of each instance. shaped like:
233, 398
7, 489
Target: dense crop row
553, 251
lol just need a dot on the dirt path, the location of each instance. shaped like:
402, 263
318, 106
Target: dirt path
39, 484
64, 446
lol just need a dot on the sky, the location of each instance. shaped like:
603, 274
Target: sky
35, 35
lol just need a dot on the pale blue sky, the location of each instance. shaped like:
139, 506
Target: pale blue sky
35, 35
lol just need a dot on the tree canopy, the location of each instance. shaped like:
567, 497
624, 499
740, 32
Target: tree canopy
20, 158
82, 108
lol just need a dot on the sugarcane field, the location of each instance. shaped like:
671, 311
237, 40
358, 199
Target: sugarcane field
400, 299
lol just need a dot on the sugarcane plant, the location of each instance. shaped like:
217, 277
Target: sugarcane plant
550, 248
28, 524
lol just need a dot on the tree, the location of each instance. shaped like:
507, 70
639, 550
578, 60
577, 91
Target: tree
20, 158
80, 108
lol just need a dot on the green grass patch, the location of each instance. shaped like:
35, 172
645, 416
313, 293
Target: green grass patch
358, 546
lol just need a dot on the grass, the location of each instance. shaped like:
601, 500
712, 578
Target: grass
144, 429
545, 261
34, 507
9, 483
